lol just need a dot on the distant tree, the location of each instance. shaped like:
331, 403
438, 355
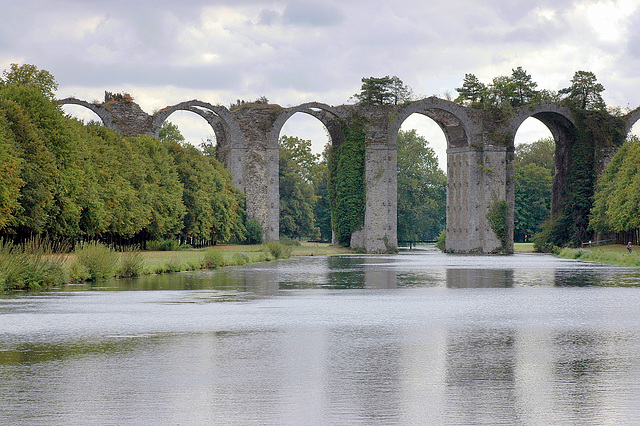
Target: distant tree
297, 193
585, 92
169, 132
30, 75
534, 168
541, 152
421, 189
533, 199
382, 91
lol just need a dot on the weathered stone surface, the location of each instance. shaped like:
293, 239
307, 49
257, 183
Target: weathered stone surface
480, 159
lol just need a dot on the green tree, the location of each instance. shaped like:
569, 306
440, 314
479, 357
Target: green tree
524, 88
298, 169
473, 92
421, 189
213, 205
322, 210
533, 199
617, 198
10, 168
541, 152
382, 91
534, 169
585, 92
158, 186
30, 75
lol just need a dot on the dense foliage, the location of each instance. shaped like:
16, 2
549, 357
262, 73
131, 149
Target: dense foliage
570, 225
345, 181
422, 192
534, 169
69, 180
382, 91
617, 198
299, 169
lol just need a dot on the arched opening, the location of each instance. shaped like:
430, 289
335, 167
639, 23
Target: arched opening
305, 212
421, 180
82, 113
194, 129
306, 127
534, 171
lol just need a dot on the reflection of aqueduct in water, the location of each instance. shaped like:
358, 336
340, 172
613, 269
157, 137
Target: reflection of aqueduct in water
480, 156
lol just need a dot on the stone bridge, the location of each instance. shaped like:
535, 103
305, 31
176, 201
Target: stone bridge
480, 158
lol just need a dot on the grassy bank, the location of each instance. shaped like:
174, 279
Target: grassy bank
34, 267
523, 248
615, 254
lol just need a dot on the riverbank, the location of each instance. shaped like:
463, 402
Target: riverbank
228, 255
615, 254
40, 265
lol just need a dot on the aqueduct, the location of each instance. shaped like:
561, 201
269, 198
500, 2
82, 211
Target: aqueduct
480, 159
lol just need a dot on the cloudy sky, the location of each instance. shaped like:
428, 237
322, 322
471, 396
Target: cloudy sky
164, 52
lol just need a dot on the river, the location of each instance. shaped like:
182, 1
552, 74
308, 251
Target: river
410, 339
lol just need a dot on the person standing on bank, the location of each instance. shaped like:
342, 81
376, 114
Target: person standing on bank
629, 247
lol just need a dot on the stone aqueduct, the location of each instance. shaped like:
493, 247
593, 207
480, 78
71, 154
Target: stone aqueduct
480, 158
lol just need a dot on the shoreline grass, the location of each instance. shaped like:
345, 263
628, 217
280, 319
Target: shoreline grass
95, 262
614, 254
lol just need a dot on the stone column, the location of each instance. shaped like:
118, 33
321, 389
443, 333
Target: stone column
258, 162
476, 180
380, 232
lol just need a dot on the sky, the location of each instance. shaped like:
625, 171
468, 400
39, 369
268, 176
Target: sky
164, 52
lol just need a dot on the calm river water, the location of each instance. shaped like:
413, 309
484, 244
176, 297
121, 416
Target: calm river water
416, 338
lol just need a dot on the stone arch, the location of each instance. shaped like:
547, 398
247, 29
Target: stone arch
219, 118
228, 136
105, 116
631, 119
452, 119
326, 114
558, 119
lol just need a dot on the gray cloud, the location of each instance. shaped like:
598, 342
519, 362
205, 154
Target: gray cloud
312, 14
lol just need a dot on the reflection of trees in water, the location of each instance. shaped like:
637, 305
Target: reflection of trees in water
479, 278
576, 278
586, 361
480, 376
365, 374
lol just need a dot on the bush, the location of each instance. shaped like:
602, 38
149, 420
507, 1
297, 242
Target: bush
131, 262
254, 232
289, 241
441, 242
35, 265
98, 260
213, 259
277, 250
168, 244
240, 259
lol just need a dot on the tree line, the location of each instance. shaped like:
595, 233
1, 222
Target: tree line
69, 180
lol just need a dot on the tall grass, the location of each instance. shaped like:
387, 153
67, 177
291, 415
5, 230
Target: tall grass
602, 255
278, 250
131, 262
213, 259
35, 265
94, 261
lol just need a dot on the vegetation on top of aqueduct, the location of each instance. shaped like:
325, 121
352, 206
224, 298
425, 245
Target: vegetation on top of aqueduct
597, 127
